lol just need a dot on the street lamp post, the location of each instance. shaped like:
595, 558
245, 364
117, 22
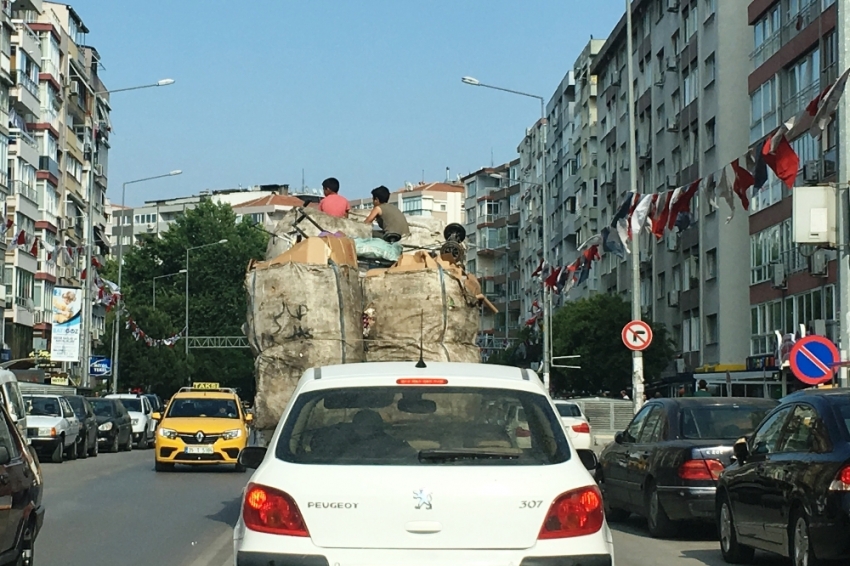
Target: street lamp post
123, 224
186, 322
87, 305
547, 296
153, 294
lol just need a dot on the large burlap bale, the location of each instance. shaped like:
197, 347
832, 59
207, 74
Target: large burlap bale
433, 299
351, 227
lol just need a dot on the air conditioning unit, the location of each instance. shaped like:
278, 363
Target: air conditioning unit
673, 181
645, 151
672, 5
778, 276
818, 264
673, 64
98, 170
150, 227
811, 171
63, 223
673, 124
672, 298
817, 327
660, 82
672, 241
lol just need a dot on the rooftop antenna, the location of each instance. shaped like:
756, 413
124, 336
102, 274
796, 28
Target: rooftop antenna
492, 159
423, 175
421, 363
303, 186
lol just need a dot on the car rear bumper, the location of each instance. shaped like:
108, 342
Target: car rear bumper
828, 533
258, 549
684, 502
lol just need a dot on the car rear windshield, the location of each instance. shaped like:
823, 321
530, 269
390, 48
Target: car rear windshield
218, 408
102, 408
409, 426
43, 406
132, 404
844, 412
721, 422
568, 410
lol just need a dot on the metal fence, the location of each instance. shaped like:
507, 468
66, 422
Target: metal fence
606, 416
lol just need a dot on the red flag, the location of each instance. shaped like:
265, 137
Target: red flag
552, 279
743, 181
34, 248
636, 198
683, 203
21, 238
83, 274
812, 108
537, 271
662, 214
95, 263
782, 160
592, 253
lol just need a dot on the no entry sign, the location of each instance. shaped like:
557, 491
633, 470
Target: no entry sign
814, 359
637, 335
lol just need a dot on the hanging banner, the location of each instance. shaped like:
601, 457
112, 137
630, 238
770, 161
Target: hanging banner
67, 316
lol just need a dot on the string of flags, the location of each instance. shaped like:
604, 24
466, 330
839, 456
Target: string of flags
658, 213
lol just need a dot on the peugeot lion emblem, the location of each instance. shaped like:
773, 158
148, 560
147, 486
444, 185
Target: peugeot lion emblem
199, 436
423, 499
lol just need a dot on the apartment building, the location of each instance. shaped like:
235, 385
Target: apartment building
492, 222
267, 211
794, 56
443, 201
529, 177
691, 120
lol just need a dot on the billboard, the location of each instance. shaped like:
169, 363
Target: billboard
67, 316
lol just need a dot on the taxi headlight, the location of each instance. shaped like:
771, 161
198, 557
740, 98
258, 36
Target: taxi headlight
168, 433
47, 431
105, 427
231, 434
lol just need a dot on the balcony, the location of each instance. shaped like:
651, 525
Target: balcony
22, 145
48, 67
6, 69
46, 267
48, 164
797, 103
25, 94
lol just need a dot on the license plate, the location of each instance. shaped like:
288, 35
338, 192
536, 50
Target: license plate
199, 450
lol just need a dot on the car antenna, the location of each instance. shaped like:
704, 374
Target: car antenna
421, 363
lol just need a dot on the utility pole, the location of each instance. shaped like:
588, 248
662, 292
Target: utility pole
843, 129
637, 357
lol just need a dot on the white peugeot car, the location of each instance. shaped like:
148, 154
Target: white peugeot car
389, 463
141, 418
576, 425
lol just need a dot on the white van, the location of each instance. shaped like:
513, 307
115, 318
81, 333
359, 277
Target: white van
10, 395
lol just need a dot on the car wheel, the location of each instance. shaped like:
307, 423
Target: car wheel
114, 447
733, 552
83, 448
163, 467
27, 550
94, 450
58, 455
660, 525
799, 543
129, 446
143, 442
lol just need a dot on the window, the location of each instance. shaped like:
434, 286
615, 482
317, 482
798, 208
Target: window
660, 287
804, 432
709, 8
651, 431
633, 431
723, 422
711, 264
766, 248
411, 426
766, 36
711, 335
766, 439
690, 21
8, 440
709, 70
763, 116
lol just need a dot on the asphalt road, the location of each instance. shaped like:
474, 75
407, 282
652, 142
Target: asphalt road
114, 509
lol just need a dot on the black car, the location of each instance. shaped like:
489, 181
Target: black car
114, 426
789, 490
21, 510
665, 465
87, 439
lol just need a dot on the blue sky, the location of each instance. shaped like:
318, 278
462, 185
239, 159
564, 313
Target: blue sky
367, 91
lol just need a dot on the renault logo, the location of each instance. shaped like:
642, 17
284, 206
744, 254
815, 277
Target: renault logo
199, 436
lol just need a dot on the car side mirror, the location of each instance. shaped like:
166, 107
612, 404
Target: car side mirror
156, 416
588, 458
619, 438
5, 458
741, 450
252, 456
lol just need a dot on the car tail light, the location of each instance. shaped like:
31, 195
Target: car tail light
421, 381
268, 510
701, 470
582, 427
522, 432
842, 480
574, 514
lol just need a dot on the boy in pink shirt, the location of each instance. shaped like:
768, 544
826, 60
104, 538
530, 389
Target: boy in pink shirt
333, 204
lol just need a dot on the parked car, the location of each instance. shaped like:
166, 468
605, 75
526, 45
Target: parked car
87, 439
665, 465
114, 425
21, 509
141, 417
10, 395
788, 491
52, 426
576, 424
156, 402
410, 459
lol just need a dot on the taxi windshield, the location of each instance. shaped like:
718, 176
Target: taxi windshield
200, 407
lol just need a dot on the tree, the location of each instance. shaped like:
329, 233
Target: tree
592, 328
217, 299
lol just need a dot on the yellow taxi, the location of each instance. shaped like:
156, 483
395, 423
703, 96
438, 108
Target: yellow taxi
203, 424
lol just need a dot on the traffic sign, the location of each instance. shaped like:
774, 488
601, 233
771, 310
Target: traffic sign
814, 359
637, 335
